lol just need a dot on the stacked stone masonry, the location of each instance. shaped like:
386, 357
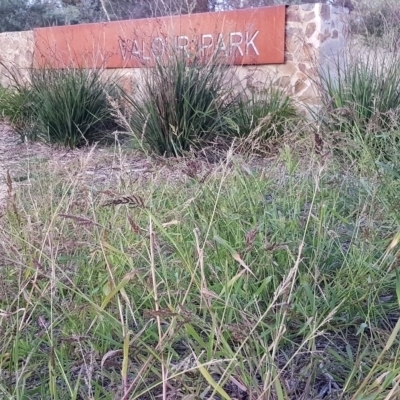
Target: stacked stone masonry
315, 36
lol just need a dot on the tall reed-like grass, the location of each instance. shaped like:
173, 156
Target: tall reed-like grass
264, 114
68, 107
71, 106
361, 101
181, 103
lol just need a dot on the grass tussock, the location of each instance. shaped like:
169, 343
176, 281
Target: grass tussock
269, 112
361, 105
182, 103
364, 90
64, 107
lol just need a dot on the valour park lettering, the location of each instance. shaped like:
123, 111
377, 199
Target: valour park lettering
227, 45
250, 36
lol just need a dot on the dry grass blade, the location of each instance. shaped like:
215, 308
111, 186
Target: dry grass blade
234, 253
135, 227
110, 354
194, 170
250, 237
206, 175
318, 143
80, 220
9, 184
163, 313
132, 200
12, 197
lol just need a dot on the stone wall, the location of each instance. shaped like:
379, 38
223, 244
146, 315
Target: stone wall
315, 35
16, 55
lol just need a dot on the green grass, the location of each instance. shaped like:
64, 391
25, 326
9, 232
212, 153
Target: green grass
14, 106
181, 105
275, 283
366, 87
186, 104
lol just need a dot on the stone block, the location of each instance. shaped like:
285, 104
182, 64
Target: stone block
307, 7
309, 16
309, 95
300, 86
310, 29
282, 81
307, 52
302, 67
288, 69
294, 45
292, 15
323, 36
293, 31
288, 56
325, 12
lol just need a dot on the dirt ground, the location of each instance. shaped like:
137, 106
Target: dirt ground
99, 166
20, 158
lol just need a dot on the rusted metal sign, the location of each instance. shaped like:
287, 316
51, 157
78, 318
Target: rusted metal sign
250, 36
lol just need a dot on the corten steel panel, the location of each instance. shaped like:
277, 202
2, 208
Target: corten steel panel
251, 36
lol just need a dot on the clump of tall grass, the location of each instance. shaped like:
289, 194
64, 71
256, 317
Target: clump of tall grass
68, 107
14, 106
181, 103
263, 115
74, 108
361, 98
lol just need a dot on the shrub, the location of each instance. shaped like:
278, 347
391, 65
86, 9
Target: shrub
181, 104
67, 107
21, 15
